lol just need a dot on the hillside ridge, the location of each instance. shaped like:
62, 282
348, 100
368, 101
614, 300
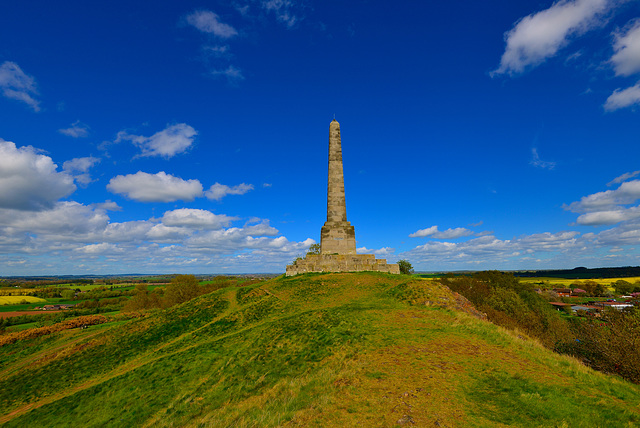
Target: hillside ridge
309, 350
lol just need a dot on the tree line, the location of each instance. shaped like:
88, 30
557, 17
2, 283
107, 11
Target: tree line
609, 343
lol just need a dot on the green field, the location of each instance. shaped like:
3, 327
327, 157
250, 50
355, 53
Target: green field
312, 350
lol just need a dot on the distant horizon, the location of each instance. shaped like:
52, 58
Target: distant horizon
282, 273
189, 138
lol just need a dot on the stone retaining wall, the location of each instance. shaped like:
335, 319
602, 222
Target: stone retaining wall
341, 263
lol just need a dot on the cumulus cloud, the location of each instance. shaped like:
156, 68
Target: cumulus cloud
160, 187
76, 130
219, 191
208, 22
66, 220
626, 59
424, 232
539, 36
433, 231
79, 168
224, 240
107, 205
29, 180
623, 177
167, 143
101, 249
622, 98
196, 218
458, 232
381, 252
627, 193
17, 85
539, 163
600, 218
69, 234
489, 251
610, 206
627, 233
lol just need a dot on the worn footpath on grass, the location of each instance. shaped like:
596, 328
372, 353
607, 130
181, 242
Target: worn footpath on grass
361, 349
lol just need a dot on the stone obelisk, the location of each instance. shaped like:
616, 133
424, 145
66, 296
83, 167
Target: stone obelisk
337, 235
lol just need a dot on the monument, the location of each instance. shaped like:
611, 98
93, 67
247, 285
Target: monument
337, 236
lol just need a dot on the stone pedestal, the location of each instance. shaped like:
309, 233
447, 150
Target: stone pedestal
341, 263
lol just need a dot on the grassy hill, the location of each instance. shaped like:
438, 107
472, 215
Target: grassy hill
314, 350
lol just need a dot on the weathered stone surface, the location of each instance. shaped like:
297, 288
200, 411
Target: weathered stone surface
341, 263
338, 237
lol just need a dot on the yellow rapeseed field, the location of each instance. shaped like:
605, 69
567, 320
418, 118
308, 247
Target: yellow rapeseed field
14, 300
562, 282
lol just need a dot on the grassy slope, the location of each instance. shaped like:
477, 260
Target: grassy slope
316, 350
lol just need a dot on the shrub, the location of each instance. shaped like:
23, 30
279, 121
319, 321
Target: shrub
610, 343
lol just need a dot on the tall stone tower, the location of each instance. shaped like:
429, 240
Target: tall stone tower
337, 236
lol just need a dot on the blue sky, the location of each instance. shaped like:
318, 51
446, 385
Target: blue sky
192, 136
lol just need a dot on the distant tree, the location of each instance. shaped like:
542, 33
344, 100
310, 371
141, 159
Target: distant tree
143, 299
623, 287
313, 250
68, 294
405, 267
182, 289
593, 288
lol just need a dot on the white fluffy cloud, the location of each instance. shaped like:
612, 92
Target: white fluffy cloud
626, 59
40, 234
219, 191
167, 143
424, 232
627, 193
600, 218
160, 187
539, 36
79, 168
196, 218
17, 85
208, 22
627, 233
66, 220
490, 251
29, 180
76, 130
381, 252
71, 237
610, 206
433, 232
458, 232
622, 98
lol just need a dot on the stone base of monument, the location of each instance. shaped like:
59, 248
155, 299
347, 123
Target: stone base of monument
341, 263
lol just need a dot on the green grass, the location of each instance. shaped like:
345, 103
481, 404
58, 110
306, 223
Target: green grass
313, 350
